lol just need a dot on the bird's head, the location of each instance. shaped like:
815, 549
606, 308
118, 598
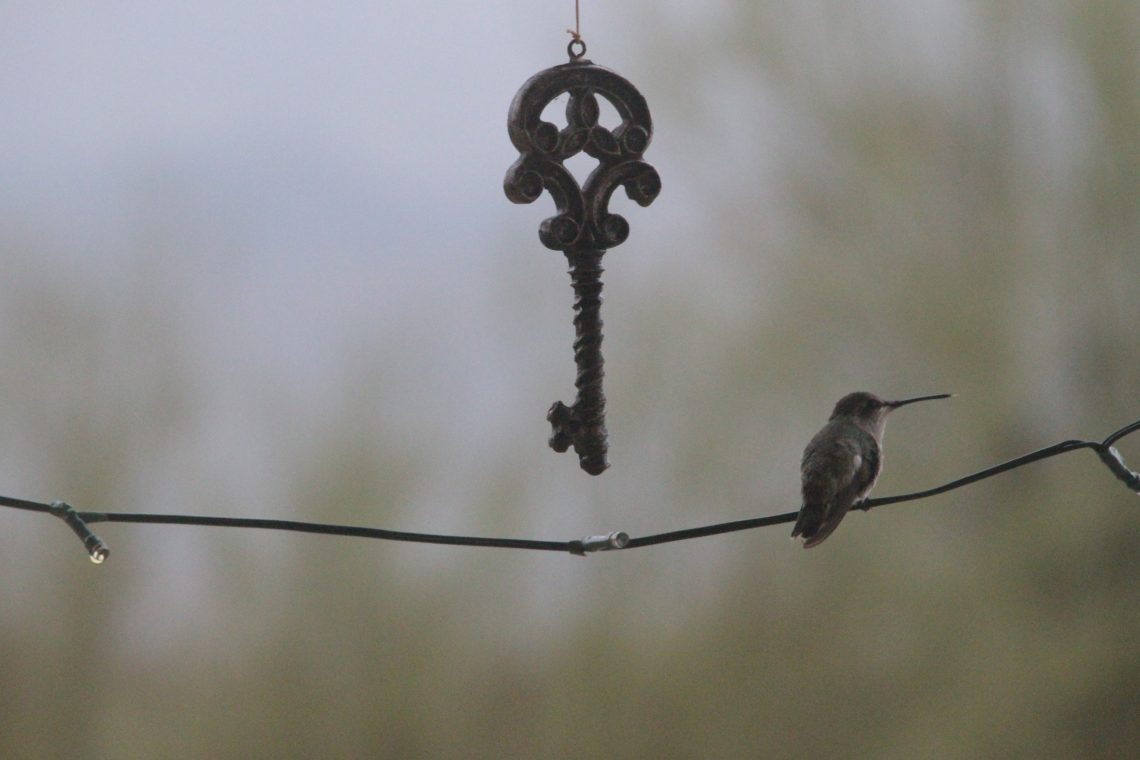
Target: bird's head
870, 410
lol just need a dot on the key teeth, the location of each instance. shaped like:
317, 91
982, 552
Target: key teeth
561, 418
589, 441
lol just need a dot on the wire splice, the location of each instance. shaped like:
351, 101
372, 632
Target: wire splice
618, 539
1112, 459
96, 549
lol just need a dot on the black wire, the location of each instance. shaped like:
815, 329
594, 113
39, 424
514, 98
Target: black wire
1131, 479
867, 504
64, 510
326, 529
98, 550
1049, 451
711, 530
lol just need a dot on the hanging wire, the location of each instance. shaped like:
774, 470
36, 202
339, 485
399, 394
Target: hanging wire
98, 551
577, 47
576, 32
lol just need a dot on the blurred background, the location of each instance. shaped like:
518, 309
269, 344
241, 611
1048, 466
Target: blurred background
256, 261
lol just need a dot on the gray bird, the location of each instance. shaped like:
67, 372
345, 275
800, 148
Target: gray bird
842, 462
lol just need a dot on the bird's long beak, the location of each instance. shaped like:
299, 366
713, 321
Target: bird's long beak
905, 401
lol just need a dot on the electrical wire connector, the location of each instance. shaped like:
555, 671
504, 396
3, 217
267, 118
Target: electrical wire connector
619, 539
96, 549
1111, 457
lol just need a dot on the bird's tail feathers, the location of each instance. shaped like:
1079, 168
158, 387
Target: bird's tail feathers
808, 521
817, 538
812, 526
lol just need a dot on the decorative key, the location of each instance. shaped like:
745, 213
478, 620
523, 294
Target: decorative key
583, 228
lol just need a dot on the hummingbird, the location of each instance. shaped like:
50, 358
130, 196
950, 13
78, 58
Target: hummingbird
842, 462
